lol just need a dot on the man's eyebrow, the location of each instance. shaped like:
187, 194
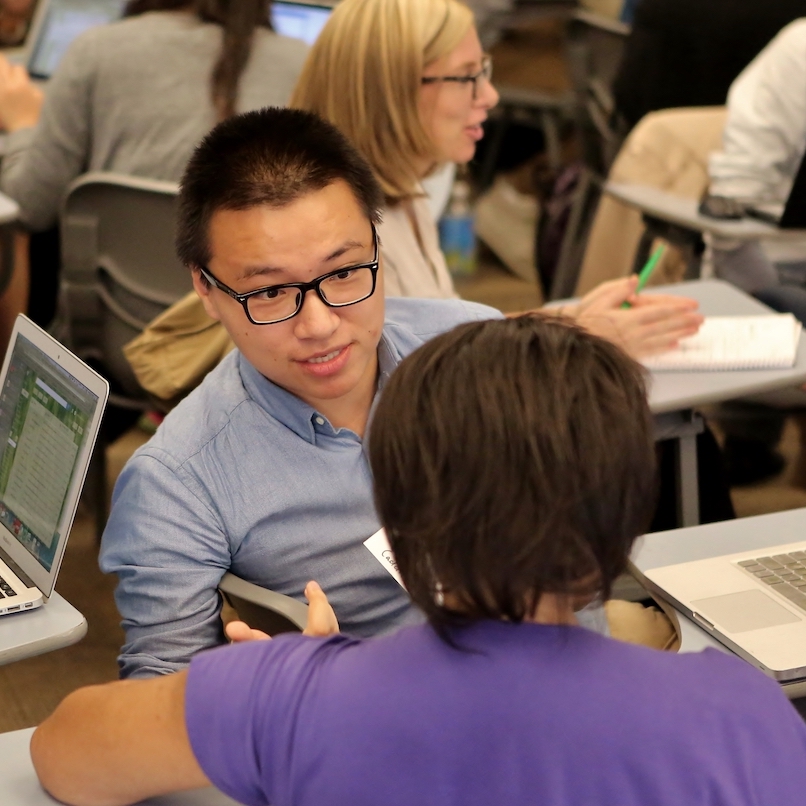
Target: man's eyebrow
264, 271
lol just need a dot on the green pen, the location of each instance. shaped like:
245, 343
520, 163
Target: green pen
649, 267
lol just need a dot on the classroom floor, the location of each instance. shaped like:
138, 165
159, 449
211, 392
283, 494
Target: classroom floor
30, 689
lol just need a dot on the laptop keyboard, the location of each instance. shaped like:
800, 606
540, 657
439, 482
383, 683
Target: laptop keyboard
6, 589
784, 573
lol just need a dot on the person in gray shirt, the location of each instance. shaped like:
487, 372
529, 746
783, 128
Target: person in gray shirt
135, 97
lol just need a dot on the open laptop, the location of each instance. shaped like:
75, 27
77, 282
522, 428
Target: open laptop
50, 411
753, 602
55, 25
788, 215
299, 20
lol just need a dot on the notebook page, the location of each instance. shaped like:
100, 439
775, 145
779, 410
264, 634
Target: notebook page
735, 342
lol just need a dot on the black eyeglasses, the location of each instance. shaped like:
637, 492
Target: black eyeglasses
276, 303
486, 73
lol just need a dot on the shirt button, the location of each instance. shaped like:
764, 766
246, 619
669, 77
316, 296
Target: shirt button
320, 421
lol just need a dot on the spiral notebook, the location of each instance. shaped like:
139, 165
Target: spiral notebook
735, 342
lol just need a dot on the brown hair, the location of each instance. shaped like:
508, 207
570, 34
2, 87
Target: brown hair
512, 458
271, 156
238, 19
363, 75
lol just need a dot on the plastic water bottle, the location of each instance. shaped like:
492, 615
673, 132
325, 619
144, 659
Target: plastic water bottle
456, 232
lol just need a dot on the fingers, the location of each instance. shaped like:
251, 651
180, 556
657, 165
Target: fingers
322, 620
669, 300
239, 632
608, 295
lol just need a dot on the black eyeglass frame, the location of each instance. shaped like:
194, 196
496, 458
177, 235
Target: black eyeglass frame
303, 288
486, 68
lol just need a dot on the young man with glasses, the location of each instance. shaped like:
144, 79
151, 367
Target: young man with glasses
262, 470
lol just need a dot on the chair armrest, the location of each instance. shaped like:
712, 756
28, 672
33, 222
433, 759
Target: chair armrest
263, 609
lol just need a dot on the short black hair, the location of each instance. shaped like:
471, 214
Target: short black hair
512, 458
272, 156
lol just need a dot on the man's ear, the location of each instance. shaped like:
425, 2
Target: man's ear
203, 288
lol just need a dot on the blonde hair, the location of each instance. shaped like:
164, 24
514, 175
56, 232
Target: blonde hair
363, 75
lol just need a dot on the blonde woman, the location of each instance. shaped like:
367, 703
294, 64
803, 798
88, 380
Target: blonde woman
408, 83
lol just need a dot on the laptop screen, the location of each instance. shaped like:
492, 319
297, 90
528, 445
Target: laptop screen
64, 21
299, 20
44, 417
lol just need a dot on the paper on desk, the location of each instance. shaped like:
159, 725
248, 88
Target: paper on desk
735, 342
378, 545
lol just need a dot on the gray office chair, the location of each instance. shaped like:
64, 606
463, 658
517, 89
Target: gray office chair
119, 271
263, 609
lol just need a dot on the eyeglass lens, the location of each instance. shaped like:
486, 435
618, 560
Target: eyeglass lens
342, 288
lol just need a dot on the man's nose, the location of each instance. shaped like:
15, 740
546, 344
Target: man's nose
315, 320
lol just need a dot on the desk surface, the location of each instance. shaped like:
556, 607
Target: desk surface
673, 391
54, 625
21, 787
683, 212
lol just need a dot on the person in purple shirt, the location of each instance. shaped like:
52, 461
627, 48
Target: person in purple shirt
513, 463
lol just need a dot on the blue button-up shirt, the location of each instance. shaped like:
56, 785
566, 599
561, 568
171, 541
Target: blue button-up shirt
243, 476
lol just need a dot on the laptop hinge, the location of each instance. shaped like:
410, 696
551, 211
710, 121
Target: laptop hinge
23, 577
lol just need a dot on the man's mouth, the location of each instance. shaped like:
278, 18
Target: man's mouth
321, 359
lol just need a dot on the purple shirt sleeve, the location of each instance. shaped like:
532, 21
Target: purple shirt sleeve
241, 708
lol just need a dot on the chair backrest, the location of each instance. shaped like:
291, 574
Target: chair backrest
668, 150
119, 266
263, 609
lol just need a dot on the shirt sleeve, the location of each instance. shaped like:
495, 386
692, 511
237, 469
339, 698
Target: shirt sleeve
40, 163
245, 709
765, 133
169, 550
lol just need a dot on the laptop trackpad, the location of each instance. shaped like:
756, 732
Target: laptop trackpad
744, 611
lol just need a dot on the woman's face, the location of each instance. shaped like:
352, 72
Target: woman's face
451, 111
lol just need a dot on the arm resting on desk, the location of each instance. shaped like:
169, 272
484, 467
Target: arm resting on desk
117, 744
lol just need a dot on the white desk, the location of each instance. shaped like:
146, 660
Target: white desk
21, 786
683, 212
673, 391
712, 540
673, 395
54, 625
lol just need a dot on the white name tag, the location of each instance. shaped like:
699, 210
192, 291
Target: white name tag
379, 547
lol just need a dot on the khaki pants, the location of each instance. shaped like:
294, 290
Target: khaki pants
636, 624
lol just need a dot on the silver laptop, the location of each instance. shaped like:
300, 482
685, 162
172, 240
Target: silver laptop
60, 22
50, 411
299, 20
753, 602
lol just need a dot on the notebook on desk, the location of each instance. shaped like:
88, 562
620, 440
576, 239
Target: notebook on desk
50, 411
753, 602
734, 343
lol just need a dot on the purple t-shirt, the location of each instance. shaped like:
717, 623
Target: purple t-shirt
531, 714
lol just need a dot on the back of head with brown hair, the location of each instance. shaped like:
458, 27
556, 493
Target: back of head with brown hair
238, 19
512, 458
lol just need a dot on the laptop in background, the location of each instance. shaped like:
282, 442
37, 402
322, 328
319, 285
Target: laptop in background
51, 405
299, 20
754, 602
59, 24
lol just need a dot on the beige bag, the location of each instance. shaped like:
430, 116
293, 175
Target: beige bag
173, 354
